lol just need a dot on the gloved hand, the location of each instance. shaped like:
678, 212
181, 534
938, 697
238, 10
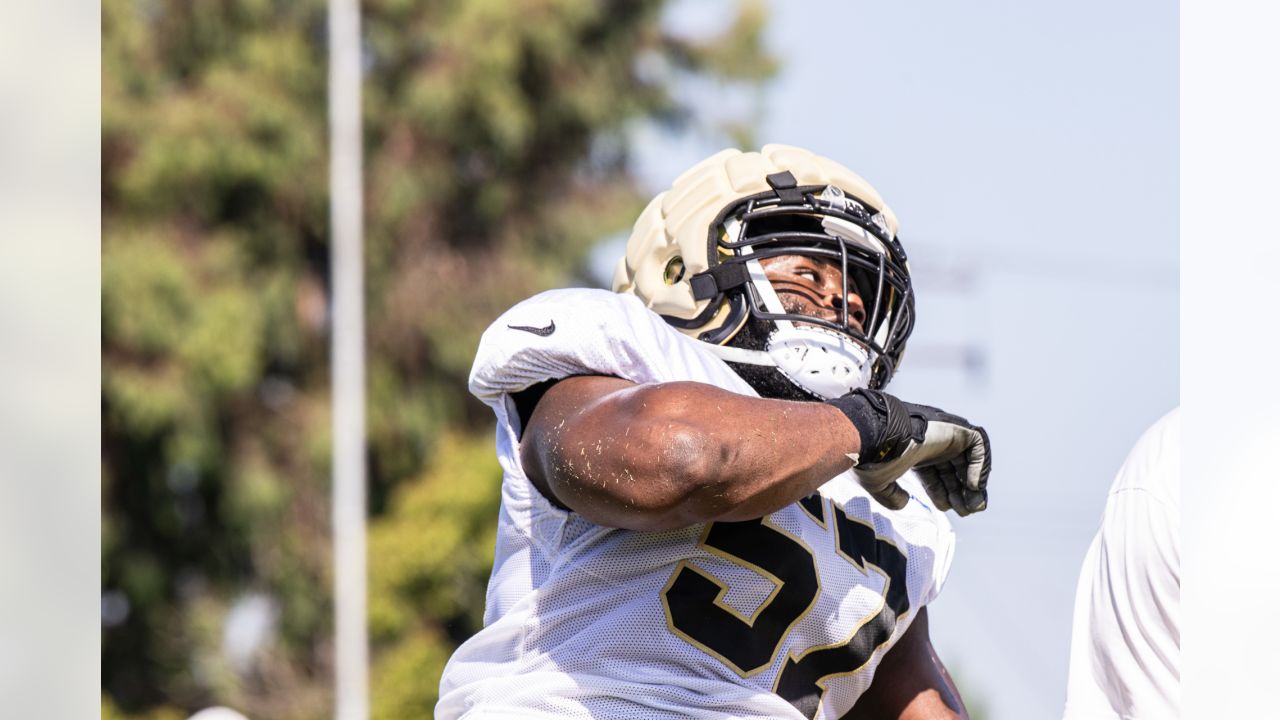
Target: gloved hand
951, 455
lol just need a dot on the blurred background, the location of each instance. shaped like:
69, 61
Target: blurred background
1030, 152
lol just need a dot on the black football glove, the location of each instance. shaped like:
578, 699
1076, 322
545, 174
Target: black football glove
951, 455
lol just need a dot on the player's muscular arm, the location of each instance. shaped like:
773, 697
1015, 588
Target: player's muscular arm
670, 455
911, 682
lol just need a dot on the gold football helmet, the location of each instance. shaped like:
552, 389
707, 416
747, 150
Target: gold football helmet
693, 258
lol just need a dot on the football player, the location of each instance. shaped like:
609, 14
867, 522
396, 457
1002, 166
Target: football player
710, 507
1125, 634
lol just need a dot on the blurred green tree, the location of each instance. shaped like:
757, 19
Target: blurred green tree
496, 154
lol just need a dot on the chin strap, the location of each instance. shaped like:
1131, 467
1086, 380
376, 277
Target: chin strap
754, 273
728, 353
718, 280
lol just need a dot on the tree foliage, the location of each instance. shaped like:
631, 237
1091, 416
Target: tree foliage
496, 148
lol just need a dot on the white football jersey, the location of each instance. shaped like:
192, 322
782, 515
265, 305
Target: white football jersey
1124, 636
782, 617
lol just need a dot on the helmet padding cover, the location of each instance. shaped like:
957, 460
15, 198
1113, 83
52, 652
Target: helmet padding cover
677, 223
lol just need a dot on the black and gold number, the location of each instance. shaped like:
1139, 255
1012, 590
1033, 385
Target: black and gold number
696, 611
695, 605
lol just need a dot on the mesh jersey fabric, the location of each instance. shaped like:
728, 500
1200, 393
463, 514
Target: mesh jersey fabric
586, 621
1125, 634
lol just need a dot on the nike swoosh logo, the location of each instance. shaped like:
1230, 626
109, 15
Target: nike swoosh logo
540, 331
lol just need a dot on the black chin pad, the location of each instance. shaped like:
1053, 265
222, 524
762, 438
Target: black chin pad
770, 383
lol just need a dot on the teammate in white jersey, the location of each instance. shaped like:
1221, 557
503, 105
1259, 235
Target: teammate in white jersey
1125, 635
710, 508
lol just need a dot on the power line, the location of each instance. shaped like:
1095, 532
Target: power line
963, 271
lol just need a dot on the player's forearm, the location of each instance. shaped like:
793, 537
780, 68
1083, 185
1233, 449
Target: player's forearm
658, 457
780, 453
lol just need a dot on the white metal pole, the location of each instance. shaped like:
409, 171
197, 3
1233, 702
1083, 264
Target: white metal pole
351, 647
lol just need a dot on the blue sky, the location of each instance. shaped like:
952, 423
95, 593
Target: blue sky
1030, 151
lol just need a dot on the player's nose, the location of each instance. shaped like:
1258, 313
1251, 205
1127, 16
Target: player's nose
857, 311
836, 299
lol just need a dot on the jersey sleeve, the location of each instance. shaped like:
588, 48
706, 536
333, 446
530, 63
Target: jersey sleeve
561, 333
1125, 635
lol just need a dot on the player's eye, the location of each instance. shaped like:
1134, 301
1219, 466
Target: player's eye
809, 275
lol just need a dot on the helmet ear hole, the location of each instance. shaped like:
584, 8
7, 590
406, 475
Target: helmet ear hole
674, 271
